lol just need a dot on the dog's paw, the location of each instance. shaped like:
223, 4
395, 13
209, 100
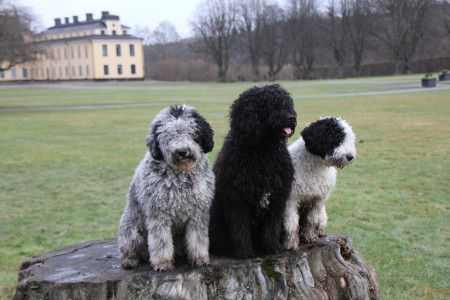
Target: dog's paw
163, 265
309, 238
129, 263
321, 234
291, 244
199, 261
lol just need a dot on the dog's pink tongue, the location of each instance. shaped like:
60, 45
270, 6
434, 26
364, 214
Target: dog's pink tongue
288, 130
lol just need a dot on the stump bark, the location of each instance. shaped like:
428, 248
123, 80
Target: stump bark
327, 269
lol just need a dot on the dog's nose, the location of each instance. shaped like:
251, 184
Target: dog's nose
182, 153
350, 157
292, 119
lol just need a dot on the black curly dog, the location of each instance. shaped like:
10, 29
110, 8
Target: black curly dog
253, 174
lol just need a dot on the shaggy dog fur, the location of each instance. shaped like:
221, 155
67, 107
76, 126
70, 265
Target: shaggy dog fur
253, 174
324, 145
170, 193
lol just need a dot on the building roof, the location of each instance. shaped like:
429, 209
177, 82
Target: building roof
76, 25
90, 37
72, 27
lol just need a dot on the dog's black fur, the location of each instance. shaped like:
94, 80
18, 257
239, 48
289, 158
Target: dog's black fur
253, 174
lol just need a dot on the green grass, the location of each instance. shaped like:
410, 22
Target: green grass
64, 174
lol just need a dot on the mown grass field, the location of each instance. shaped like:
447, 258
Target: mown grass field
64, 174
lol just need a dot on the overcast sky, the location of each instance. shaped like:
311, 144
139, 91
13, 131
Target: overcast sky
131, 12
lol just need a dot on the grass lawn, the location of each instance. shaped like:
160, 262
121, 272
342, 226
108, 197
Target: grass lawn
64, 174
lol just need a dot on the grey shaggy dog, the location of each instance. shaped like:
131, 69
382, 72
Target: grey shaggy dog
167, 209
324, 145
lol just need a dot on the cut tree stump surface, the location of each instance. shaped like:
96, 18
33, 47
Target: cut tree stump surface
327, 269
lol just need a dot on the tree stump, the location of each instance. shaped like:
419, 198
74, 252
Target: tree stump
327, 269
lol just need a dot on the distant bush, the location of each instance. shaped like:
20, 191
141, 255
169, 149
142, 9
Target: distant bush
203, 71
177, 70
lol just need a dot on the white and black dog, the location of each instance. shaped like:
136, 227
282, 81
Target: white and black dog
170, 194
324, 145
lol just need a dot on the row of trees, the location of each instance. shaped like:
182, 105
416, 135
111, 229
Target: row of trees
307, 34
260, 39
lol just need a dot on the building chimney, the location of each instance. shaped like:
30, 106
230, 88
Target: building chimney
105, 14
75, 19
57, 22
66, 20
89, 17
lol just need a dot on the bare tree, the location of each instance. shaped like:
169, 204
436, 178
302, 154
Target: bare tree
165, 33
445, 15
144, 33
215, 24
400, 27
165, 41
302, 29
358, 24
336, 31
16, 45
250, 15
273, 47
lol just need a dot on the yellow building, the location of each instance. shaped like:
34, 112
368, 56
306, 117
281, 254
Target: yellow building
94, 49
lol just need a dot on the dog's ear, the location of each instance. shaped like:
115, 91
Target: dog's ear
313, 135
245, 117
153, 143
323, 136
205, 133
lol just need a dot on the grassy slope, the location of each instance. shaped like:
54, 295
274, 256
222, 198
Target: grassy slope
64, 174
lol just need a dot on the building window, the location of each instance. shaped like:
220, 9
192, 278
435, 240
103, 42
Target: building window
13, 73
86, 51
102, 32
132, 50
25, 73
73, 71
118, 50
124, 32
87, 70
59, 54
119, 69
65, 53
114, 32
2, 74
79, 52
106, 70
80, 70
133, 69
71, 52
105, 50
60, 72
67, 71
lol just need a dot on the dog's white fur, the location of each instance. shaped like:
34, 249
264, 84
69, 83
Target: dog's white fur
169, 195
315, 177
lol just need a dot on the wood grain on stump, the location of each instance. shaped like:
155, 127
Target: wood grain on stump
327, 269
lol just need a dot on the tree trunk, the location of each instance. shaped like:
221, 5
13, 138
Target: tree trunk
328, 269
